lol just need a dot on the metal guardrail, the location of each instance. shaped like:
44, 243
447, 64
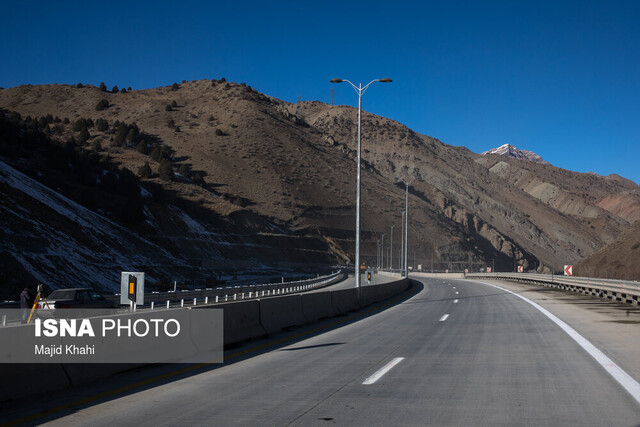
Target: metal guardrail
233, 293
619, 290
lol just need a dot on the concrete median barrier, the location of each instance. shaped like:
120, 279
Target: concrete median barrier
316, 306
241, 321
345, 300
277, 314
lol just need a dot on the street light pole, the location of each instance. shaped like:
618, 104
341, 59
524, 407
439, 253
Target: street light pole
382, 252
402, 247
391, 251
406, 227
359, 90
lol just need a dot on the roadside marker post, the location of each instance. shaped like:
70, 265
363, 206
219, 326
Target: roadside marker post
568, 270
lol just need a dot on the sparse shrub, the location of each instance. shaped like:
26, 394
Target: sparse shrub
184, 81
57, 120
219, 132
129, 89
89, 123
132, 136
123, 90
103, 87
156, 155
42, 122
171, 123
103, 104
114, 89
84, 136
168, 108
165, 170
222, 80
175, 86
66, 121
184, 170
177, 129
102, 125
79, 85
145, 170
211, 118
78, 125
142, 147
174, 103
95, 146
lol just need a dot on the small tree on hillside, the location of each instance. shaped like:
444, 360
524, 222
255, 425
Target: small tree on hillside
175, 86
142, 147
103, 87
174, 103
103, 104
114, 89
145, 170
165, 170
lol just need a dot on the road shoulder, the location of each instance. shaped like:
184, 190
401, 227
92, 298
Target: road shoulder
612, 327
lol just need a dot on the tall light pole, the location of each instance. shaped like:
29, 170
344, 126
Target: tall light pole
402, 247
359, 90
406, 227
391, 250
382, 253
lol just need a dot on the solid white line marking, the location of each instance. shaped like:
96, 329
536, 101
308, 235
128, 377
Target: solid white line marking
386, 368
624, 379
455, 301
443, 318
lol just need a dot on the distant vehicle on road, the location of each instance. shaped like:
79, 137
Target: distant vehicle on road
76, 298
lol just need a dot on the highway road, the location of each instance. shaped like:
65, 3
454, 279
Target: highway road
456, 352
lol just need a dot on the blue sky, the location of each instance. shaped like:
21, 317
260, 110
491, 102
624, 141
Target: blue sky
561, 78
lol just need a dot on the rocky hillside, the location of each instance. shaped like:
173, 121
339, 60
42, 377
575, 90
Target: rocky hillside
618, 260
286, 172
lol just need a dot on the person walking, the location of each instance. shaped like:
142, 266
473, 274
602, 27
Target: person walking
25, 301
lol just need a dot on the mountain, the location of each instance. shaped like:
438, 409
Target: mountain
509, 150
276, 182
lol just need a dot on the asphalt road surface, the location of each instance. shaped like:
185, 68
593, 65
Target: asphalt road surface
456, 353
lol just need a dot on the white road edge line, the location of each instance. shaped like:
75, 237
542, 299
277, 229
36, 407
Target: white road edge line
624, 379
443, 318
386, 368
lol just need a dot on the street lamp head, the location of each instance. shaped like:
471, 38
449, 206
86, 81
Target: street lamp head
385, 80
336, 81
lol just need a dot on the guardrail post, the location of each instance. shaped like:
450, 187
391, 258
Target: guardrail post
194, 301
226, 298
182, 302
206, 300
4, 320
235, 296
216, 298
151, 305
167, 303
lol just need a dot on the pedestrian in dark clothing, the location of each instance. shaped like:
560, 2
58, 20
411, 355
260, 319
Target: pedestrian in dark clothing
25, 304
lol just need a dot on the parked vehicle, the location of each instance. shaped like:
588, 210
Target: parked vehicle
76, 298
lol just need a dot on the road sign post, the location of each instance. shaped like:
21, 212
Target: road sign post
132, 289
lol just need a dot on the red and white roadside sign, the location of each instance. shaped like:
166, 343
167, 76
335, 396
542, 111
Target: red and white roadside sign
520, 269
488, 269
568, 270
